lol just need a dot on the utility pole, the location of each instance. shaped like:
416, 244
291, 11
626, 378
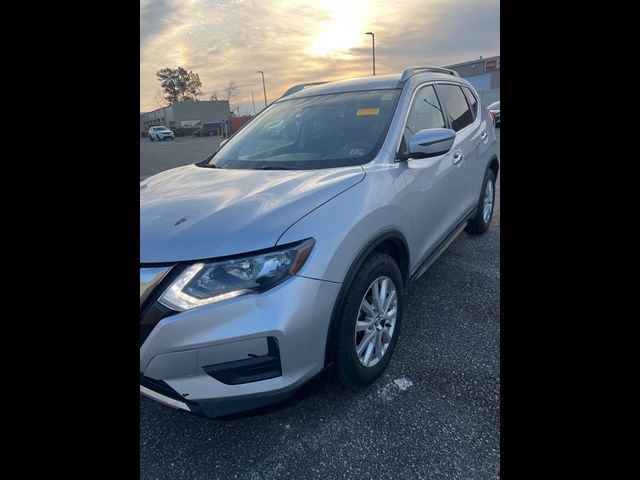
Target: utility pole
263, 88
373, 40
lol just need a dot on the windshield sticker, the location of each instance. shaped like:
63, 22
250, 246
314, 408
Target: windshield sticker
367, 111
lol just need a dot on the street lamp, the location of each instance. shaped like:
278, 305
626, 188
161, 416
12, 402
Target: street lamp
373, 40
263, 88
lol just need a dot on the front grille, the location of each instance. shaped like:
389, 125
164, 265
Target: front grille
149, 278
153, 281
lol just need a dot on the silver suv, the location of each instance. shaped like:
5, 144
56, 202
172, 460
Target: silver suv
289, 250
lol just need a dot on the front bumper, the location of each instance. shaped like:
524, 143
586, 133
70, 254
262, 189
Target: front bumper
219, 407
241, 353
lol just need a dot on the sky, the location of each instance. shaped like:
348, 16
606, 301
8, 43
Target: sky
298, 41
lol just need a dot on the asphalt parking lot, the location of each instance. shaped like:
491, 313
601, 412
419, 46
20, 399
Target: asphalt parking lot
433, 415
156, 157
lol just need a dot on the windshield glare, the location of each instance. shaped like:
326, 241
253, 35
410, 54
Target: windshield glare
313, 132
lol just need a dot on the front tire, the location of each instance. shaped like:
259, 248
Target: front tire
484, 213
369, 322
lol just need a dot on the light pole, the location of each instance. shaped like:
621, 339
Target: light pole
373, 40
263, 88
254, 103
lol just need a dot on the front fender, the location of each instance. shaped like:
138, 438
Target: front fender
345, 225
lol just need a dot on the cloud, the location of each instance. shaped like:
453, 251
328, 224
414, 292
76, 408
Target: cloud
156, 17
296, 41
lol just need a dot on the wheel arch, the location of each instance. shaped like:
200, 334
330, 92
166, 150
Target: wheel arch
391, 242
494, 166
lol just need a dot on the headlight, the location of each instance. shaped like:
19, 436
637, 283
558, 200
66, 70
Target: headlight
204, 283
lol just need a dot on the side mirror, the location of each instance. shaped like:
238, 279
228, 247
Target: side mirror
431, 143
222, 143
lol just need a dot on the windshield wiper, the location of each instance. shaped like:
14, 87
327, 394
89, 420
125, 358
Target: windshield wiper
271, 167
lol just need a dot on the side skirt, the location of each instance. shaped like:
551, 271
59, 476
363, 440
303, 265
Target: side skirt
442, 246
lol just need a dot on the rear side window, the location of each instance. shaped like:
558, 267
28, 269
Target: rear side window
456, 105
473, 101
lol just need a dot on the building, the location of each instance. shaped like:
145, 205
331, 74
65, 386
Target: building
238, 122
484, 75
188, 114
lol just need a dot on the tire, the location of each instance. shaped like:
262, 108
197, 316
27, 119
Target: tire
348, 367
151, 138
478, 224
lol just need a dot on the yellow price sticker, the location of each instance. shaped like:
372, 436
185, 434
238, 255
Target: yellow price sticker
367, 111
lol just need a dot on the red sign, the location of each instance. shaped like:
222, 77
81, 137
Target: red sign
490, 64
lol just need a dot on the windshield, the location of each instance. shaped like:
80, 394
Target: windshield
313, 132
160, 129
494, 106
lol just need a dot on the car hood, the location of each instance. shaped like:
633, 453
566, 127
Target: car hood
191, 213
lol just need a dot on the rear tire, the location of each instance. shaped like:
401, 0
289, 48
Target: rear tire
486, 205
349, 366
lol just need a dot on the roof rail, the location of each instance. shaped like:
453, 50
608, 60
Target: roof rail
302, 86
411, 71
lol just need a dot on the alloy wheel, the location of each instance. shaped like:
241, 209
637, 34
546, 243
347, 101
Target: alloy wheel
376, 321
488, 201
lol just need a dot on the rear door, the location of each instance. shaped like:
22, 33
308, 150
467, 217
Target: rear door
468, 137
480, 143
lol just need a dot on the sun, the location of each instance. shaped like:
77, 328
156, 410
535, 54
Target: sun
343, 31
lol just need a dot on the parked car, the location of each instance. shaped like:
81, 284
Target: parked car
208, 130
185, 131
494, 108
160, 133
289, 250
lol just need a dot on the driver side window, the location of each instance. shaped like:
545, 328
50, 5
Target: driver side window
425, 113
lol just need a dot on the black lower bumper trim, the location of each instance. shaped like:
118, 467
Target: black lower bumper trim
221, 407
249, 370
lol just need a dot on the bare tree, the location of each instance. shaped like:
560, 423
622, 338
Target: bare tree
159, 99
231, 92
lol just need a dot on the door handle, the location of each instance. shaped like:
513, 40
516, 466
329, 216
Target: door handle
457, 157
483, 137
